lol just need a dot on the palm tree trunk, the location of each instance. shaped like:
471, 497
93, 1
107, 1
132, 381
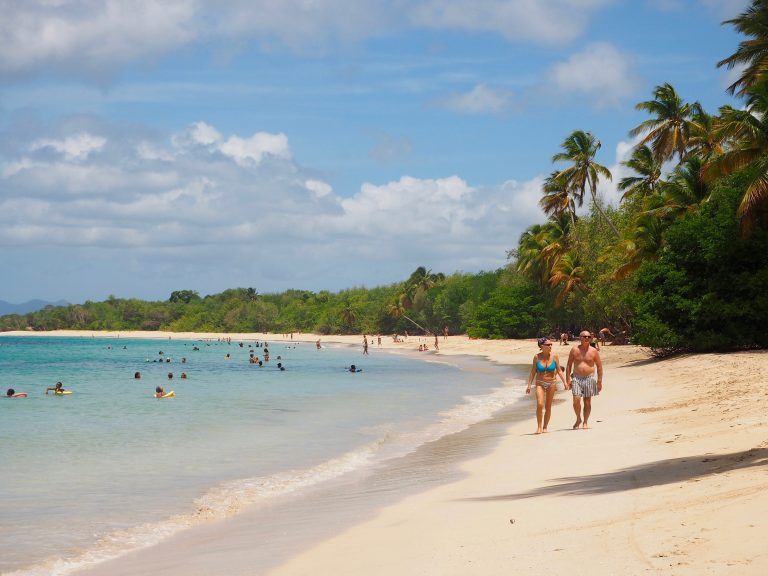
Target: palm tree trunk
603, 215
416, 323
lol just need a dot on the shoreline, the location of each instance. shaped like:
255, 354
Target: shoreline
670, 479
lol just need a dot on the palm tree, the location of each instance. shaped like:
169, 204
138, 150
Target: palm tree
685, 190
398, 310
706, 139
648, 172
645, 243
667, 131
580, 148
555, 238
748, 130
752, 52
530, 260
541, 246
568, 273
556, 198
414, 291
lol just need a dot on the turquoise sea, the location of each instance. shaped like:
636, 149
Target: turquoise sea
109, 468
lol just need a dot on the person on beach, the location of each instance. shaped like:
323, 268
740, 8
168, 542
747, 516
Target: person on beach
583, 361
365, 344
544, 371
58, 389
603, 335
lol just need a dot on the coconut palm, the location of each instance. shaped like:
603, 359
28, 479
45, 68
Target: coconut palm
555, 238
414, 291
748, 150
541, 246
556, 198
648, 171
667, 131
706, 139
568, 274
530, 258
685, 189
580, 148
752, 53
645, 243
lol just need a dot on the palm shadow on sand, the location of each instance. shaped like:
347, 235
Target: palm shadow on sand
668, 471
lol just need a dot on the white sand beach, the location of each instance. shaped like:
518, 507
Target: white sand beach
671, 478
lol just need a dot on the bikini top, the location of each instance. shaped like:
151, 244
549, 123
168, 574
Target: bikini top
541, 368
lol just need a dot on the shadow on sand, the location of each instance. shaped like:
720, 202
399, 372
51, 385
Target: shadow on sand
669, 471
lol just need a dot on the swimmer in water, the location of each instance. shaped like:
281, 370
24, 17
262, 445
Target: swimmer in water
58, 389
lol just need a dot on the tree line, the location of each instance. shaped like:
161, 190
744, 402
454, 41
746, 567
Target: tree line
496, 304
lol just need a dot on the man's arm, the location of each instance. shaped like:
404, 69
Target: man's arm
599, 365
568, 369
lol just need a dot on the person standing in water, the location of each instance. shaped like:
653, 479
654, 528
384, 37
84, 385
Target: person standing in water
544, 371
583, 361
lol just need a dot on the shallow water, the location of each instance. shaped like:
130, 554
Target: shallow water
109, 467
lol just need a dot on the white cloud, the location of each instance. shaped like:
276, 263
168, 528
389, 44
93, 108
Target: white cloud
93, 39
77, 147
238, 221
90, 36
202, 133
725, 9
599, 72
318, 187
480, 100
298, 24
256, 147
546, 21
242, 150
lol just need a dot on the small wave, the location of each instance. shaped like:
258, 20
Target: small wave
230, 498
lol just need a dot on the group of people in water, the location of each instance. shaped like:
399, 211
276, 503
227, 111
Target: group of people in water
578, 376
57, 389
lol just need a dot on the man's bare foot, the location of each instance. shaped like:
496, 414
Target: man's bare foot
544, 430
538, 431
585, 426
578, 423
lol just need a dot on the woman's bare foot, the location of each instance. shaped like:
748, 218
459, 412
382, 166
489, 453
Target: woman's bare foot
578, 423
538, 431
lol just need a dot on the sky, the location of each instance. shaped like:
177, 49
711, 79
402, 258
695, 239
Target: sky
152, 146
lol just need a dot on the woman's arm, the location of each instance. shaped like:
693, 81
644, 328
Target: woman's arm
560, 372
531, 375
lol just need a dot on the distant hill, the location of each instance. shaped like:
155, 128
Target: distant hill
26, 307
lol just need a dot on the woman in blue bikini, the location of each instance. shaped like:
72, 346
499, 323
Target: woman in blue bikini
545, 370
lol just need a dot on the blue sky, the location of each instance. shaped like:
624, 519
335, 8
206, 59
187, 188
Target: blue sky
147, 147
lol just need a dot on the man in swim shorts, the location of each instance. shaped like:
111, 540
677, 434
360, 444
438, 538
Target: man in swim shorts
583, 361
